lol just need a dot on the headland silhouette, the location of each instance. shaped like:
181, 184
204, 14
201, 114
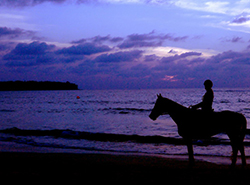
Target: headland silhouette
36, 85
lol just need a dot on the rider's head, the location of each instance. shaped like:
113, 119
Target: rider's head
208, 84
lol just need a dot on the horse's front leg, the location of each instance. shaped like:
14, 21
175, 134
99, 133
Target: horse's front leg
234, 144
190, 152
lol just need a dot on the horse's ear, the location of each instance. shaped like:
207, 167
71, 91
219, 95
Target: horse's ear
159, 95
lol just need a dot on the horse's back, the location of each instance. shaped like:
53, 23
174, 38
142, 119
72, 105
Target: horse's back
233, 120
201, 124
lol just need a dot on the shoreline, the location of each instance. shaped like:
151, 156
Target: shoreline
110, 168
6, 147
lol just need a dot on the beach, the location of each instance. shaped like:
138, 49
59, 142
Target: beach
90, 168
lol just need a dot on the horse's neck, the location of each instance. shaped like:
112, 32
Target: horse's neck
173, 106
175, 110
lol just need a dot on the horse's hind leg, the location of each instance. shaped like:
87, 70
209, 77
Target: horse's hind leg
234, 156
237, 144
242, 151
190, 152
234, 144
241, 146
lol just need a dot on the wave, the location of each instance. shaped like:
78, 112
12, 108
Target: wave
109, 137
70, 134
6, 110
126, 102
125, 110
51, 145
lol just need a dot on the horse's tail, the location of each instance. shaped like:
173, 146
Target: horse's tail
238, 125
237, 141
243, 127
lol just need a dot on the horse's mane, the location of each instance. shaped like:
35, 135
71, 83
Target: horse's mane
173, 103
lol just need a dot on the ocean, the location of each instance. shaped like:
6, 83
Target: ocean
108, 121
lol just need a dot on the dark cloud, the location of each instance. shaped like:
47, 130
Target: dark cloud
34, 48
127, 56
181, 56
148, 40
84, 49
233, 40
153, 36
14, 33
99, 40
134, 40
188, 54
139, 71
22, 3
116, 39
232, 57
175, 39
227, 56
151, 58
98, 66
4, 46
241, 19
172, 51
227, 69
81, 41
25, 54
130, 44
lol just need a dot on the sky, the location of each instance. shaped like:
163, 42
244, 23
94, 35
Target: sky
126, 44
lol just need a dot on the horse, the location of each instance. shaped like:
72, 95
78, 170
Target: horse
198, 124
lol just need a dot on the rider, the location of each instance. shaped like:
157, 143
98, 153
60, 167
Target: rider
207, 101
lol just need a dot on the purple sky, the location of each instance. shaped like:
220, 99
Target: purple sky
126, 44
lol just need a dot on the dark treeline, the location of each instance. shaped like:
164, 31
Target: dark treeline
34, 85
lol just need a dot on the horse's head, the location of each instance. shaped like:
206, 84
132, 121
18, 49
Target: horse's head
159, 108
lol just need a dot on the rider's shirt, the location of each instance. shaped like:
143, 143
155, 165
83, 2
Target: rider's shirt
207, 100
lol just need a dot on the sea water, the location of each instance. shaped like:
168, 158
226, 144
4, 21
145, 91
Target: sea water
108, 121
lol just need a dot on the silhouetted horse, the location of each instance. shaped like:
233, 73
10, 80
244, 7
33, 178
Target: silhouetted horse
197, 124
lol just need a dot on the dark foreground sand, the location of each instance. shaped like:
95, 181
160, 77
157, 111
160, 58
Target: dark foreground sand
113, 169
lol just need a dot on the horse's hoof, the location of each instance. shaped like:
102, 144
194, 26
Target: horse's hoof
232, 167
191, 164
243, 166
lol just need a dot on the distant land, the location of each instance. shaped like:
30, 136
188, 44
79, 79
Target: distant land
35, 85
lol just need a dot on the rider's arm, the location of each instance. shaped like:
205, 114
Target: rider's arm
196, 106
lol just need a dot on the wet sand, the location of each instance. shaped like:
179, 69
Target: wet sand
114, 169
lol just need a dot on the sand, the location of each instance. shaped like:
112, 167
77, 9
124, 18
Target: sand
113, 169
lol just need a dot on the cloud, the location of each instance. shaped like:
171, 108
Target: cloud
34, 48
181, 56
126, 56
206, 6
22, 3
241, 19
233, 40
31, 54
99, 66
148, 40
81, 41
227, 69
14, 33
99, 40
151, 58
84, 49
130, 44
